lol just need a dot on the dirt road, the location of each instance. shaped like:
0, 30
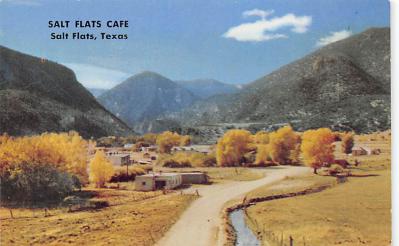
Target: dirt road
201, 224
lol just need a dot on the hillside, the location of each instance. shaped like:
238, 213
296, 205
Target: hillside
345, 85
205, 88
144, 97
38, 95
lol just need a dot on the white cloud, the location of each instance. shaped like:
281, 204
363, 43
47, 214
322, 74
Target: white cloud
96, 77
333, 37
258, 12
266, 29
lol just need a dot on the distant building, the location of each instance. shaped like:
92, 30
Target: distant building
159, 181
194, 178
128, 146
151, 148
144, 162
205, 149
357, 150
119, 159
362, 150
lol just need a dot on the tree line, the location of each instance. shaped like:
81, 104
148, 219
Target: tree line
281, 147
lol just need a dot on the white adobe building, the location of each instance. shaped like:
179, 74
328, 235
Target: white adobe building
158, 181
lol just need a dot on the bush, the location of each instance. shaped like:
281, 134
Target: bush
122, 176
187, 159
34, 183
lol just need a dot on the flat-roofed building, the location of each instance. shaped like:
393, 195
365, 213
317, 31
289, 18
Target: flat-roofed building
119, 159
158, 181
194, 178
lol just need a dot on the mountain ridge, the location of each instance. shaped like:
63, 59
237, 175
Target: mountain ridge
322, 89
38, 95
205, 88
144, 97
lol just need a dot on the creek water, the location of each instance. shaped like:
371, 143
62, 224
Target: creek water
245, 237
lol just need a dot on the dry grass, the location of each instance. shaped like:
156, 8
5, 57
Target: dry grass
356, 212
133, 218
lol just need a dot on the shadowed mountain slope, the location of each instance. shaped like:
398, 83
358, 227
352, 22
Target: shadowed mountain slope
38, 95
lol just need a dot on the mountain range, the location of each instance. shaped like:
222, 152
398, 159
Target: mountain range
145, 98
344, 85
38, 95
205, 88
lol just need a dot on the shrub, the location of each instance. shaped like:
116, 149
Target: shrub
121, 175
36, 183
187, 159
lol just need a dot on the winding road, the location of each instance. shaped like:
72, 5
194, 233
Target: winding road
201, 224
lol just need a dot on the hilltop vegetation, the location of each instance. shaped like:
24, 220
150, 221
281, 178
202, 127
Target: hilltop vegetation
37, 95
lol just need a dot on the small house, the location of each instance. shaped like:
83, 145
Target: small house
128, 146
144, 162
357, 150
159, 181
119, 159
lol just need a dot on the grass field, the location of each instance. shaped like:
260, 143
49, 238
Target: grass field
133, 218
353, 213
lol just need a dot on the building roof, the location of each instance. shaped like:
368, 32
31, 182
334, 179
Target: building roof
160, 174
361, 148
119, 155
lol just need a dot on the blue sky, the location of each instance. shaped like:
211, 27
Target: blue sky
232, 41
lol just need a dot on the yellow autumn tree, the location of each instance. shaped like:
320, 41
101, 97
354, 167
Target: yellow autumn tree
261, 137
347, 143
185, 140
150, 138
167, 140
262, 154
64, 151
281, 145
101, 169
232, 146
317, 147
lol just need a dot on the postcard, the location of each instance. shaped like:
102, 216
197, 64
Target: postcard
195, 123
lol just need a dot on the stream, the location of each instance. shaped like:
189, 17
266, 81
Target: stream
245, 237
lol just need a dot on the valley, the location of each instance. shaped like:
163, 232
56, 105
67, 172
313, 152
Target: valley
302, 153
